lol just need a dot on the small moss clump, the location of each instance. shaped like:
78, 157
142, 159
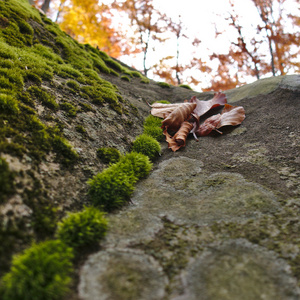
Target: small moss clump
82, 229
73, 85
68, 71
68, 108
40, 272
135, 164
125, 78
163, 102
41, 95
164, 85
185, 86
152, 127
64, 150
111, 189
145, 80
8, 104
146, 145
109, 155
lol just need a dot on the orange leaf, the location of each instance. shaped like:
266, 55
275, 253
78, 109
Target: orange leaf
232, 115
178, 116
179, 139
208, 125
203, 106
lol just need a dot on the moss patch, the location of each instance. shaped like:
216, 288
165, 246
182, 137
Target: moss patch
7, 186
41, 272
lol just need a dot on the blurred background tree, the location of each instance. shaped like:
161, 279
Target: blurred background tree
132, 29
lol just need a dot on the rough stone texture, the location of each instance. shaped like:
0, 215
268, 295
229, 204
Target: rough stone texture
238, 270
119, 274
218, 219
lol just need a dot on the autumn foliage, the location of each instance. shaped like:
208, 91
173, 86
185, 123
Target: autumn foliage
128, 27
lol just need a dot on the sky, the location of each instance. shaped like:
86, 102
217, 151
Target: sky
198, 18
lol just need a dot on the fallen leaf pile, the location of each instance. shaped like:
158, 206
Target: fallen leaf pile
195, 116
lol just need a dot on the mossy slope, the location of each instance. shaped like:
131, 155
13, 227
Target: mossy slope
54, 106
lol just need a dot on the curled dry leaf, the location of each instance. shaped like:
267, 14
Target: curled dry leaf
162, 110
182, 113
185, 118
231, 115
179, 139
203, 106
208, 125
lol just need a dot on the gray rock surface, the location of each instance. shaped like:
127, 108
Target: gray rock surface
218, 219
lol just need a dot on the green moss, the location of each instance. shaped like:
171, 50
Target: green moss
85, 107
29, 135
152, 121
154, 131
102, 54
47, 53
113, 72
64, 150
114, 64
163, 102
7, 186
111, 189
152, 127
80, 129
7, 51
185, 86
136, 74
82, 229
146, 145
92, 76
21, 9
14, 77
125, 78
67, 71
91, 93
41, 95
100, 65
73, 85
100, 94
40, 272
69, 108
33, 77
164, 85
8, 104
44, 217
135, 164
145, 80
26, 98
13, 33
108, 155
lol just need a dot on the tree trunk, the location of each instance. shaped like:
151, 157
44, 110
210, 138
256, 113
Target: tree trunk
177, 62
45, 6
272, 57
